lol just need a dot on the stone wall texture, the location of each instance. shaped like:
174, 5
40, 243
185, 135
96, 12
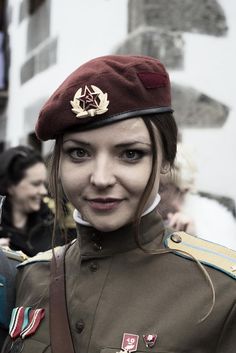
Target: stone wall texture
40, 60
38, 26
156, 42
201, 16
41, 49
196, 109
156, 28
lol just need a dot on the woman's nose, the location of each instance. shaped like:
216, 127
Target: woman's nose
43, 190
102, 175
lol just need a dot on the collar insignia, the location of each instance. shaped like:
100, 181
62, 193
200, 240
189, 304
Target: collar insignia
90, 102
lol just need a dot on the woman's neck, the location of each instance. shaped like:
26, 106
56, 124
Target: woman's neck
19, 218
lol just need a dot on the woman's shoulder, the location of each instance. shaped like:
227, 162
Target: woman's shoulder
214, 255
42, 257
33, 277
46, 256
8, 262
8, 255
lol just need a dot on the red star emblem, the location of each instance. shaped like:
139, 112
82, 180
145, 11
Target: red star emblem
88, 99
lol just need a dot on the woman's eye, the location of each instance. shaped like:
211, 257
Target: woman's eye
78, 153
132, 155
36, 183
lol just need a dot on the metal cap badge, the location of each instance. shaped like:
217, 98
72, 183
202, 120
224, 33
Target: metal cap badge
90, 102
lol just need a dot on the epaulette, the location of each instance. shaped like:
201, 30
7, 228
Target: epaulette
208, 253
45, 256
14, 254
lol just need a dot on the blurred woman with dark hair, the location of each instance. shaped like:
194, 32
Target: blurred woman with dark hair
26, 220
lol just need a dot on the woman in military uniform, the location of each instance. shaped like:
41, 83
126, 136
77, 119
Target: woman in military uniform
127, 284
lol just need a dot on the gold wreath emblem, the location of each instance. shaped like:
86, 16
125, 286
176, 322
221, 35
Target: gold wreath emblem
89, 103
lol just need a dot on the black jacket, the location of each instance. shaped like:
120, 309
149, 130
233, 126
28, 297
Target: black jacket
36, 237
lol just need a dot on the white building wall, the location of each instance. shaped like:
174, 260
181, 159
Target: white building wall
210, 68
86, 29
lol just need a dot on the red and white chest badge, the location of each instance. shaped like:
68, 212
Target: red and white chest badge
129, 342
150, 340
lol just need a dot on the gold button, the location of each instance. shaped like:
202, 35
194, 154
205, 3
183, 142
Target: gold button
176, 238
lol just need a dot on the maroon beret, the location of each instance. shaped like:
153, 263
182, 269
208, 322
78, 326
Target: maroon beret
105, 90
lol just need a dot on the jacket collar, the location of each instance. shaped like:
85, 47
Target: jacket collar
94, 243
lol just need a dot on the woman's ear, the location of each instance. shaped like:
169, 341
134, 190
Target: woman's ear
165, 168
11, 190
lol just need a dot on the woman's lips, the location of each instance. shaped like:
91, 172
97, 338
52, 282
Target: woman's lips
104, 204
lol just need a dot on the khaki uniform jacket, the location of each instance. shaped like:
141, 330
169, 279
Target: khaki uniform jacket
113, 287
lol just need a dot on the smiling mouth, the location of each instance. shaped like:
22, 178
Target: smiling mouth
106, 204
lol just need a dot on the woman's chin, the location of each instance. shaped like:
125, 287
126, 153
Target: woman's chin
108, 221
34, 208
106, 226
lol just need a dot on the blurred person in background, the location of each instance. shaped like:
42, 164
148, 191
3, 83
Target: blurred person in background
8, 261
27, 221
185, 209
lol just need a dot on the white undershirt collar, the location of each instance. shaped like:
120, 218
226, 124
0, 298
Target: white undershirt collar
78, 219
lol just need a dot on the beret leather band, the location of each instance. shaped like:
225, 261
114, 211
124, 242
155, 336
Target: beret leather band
94, 124
106, 90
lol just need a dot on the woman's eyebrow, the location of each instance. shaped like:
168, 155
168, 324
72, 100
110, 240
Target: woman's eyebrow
127, 144
77, 142
130, 144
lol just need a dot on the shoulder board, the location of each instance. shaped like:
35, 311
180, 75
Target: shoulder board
208, 253
13, 254
44, 256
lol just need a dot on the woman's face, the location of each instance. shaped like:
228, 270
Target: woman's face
28, 193
104, 172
